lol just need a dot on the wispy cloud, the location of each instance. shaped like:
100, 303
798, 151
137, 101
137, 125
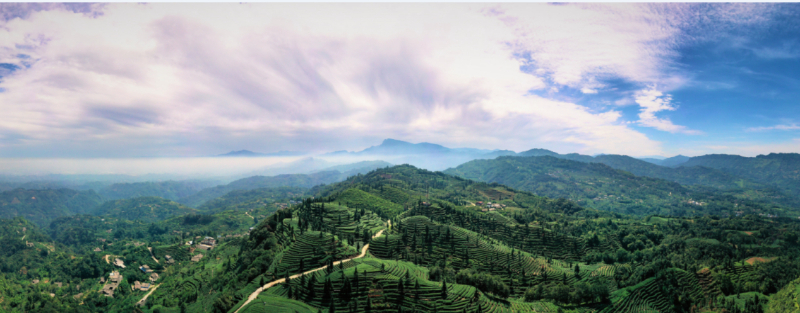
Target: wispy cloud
787, 50
776, 127
158, 79
652, 101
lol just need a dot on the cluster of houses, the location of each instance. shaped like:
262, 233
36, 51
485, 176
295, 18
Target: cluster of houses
208, 243
281, 205
144, 286
489, 206
112, 284
61, 285
695, 202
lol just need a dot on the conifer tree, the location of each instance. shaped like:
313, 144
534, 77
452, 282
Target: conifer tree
311, 293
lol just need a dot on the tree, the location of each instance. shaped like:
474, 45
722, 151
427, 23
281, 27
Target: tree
444, 289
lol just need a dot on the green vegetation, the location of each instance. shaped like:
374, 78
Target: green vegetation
601, 187
171, 190
256, 182
42, 206
431, 242
147, 209
242, 200
781, 170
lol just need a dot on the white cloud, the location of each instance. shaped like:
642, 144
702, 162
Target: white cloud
159, 79
579, 45
776, 127
652, 101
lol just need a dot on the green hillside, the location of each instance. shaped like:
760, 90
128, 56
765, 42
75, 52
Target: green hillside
781, 170
146, 209
706, 171
786, 300
170, 190
246, 199
404, 239
602, 187
256, 182
42, 206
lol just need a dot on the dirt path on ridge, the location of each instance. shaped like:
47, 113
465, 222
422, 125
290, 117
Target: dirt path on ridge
254, 295
151, 254
147, 295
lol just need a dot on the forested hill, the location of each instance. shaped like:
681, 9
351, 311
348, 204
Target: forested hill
43, 206
781, 170
172, 190
147, 209
685, 174
404, 239
330, 175
255, 182
241, 200
602, 187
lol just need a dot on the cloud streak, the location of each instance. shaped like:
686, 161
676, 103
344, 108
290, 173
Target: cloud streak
776, 127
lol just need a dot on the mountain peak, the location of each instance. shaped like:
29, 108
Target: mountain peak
394, 142
241, 153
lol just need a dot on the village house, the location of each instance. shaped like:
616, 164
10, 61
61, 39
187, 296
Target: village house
137, 285
207, 244
119, 263
113, 282
153, 277
169, 259
97, 250
146, 269
197, 257
115, 276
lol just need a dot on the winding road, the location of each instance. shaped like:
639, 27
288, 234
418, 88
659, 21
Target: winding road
254, 295
141, 302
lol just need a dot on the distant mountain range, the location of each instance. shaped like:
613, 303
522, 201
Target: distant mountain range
308, 179
248, 153
670, 162
600, 186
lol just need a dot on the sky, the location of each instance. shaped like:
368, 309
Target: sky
180, 80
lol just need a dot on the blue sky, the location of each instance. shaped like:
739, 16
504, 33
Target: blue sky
167, 80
